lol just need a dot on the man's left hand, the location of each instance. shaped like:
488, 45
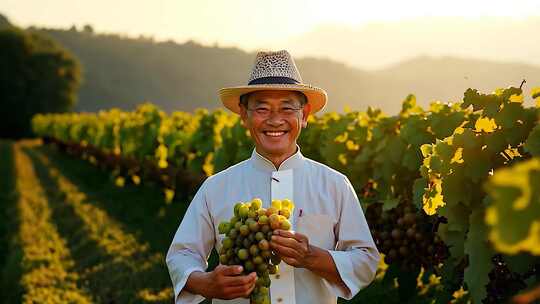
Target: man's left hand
295, 250
292, 247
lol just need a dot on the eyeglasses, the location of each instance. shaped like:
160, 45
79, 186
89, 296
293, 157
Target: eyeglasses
264, 112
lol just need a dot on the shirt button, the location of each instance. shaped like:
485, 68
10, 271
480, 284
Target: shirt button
277, 276
280, 300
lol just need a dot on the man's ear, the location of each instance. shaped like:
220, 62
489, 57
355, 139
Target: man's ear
305, 113
243, 116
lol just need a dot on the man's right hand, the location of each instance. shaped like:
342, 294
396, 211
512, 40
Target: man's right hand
224, 282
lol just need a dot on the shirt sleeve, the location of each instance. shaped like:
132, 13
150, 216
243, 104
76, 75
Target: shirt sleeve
191, 246
356, 256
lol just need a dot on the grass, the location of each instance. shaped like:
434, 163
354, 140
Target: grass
39, 266
9, 256
117, 266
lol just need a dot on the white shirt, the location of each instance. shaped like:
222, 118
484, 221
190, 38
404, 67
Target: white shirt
327, 210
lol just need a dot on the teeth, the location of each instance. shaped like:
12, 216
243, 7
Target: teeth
274, 133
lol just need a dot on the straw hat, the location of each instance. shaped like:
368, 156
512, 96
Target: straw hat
274, 71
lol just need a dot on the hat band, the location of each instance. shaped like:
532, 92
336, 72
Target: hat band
274, 80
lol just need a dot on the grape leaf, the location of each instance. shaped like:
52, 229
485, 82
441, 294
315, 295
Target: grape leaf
390, 204
418, 191
455, 188
521, 262
395, 148
532, 145
480, 253
466, 139
453, 234
409, 106
510, 114
476, 164
455, 241
433, 199
495, 142
445, 122
535, 92
514, 214
412, 159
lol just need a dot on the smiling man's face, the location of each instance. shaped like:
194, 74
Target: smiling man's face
274, 120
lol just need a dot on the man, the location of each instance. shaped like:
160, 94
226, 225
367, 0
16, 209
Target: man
328, 253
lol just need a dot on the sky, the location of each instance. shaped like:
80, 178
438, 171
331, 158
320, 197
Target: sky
248, 24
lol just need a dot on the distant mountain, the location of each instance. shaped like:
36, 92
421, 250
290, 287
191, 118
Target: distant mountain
446, 78
379, 44
122, 72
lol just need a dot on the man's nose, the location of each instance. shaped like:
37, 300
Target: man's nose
275, 119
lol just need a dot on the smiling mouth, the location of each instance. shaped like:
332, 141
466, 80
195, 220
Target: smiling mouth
274, 133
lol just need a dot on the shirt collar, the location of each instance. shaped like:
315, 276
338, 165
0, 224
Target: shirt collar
260, 162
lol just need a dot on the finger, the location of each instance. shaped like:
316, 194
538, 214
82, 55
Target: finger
252, 286
239, 291
251, 289
240, 280
284, 251
290, 234
287, 242
290, 261
229, 270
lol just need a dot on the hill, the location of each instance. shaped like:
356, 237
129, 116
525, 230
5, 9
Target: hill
122, 72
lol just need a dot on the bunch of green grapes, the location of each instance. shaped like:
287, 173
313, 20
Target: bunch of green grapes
247, 241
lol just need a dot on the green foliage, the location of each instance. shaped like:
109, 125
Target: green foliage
4, 22
236, 146
479, 253
497, 133
207, 139
532, 145
514, 213
37, 76
139, 131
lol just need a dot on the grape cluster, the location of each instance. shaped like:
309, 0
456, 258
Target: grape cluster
405, 236
247, 241
504, 283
